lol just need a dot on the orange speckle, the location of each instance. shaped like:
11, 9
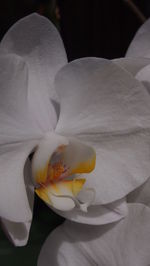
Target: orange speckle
55, 171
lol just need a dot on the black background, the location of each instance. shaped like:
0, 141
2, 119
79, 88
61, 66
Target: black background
102, 28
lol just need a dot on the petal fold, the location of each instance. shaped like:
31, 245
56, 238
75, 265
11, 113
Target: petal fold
16, 120
17, 233
143, 77
15, 184
123, 243
141, 194
132, 64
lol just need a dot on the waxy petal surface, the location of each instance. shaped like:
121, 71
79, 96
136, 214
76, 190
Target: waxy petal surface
98, 214
123, 243
14, 186
16, 120
141, 194
132, 64
98, 104
38, 42
139, 67
144, 77
18, 233
108, 110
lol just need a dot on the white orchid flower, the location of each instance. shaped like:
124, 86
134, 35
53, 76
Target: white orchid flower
104, 117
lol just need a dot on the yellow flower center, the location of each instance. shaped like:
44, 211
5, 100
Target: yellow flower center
56, 171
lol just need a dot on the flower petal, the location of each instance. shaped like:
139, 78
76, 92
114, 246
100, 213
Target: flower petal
139, 46
16, 120
14, 195
18, 233
123, 243
138, 67
36, 40
122, 165
141, 194
98, 214
60, 195
106, 108
143, 77
93, 103
132, 64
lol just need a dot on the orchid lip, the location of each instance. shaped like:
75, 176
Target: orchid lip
62, 173
83, 206
57, 167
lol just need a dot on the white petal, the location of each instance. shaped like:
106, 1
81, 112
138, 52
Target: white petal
144, 77
141, 194
28, 183
17, 233
97, 96
15, 197
106, 108
140, 45
15, 117
138, 67
122, 164
124, 243
132, 64
36, 40
99, 214
16, 126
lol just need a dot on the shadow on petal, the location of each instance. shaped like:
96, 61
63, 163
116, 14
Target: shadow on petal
17, 233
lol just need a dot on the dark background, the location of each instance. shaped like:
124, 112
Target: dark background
102, 28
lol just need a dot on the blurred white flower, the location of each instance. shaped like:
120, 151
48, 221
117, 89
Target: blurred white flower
64, 113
